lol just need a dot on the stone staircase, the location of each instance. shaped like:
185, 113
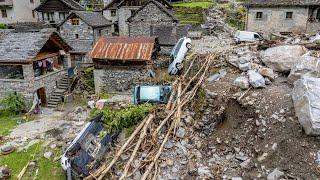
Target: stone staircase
57, 95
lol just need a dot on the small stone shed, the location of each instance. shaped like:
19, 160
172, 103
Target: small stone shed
81, 29
283, 16
32, 62
155, 19
122, 62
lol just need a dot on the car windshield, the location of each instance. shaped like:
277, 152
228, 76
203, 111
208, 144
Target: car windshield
177, 48
151, 94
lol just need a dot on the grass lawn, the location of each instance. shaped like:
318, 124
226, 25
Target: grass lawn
193, 4
47, 169
7, 123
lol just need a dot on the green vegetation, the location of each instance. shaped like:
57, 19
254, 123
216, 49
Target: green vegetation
236, 15
88, 78
48, 169
191, 12
11, 108
117, 120
7, 123
193, 4
3, 26
13, 103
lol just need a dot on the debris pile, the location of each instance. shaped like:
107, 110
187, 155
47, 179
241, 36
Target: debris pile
215, 23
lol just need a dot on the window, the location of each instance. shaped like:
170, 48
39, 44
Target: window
113, 13
289, 15
77, 36
31, 1
259, 15
62, 15
33, 14
256, 36
4, 13
75, 21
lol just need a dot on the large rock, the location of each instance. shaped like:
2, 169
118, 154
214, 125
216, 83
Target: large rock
242, 82
275, 175
282, 58
307, 64
255, 79
306, 101
267, 72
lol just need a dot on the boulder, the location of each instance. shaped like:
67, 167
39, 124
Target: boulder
307, 64
275, 175
242, 82
4, 172
306, 102
267, 72
282, 58
255, 79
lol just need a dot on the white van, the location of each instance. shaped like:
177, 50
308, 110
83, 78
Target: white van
247, 36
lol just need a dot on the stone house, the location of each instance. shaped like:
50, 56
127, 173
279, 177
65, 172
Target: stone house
283, 16
122, 62
31, 63
55, 11
81, 29
17, 11
118, 11
154, 19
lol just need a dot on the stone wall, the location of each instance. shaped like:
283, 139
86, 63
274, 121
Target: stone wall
274, 20
68, 31
29, 85
119, 79
21, 12
150, 15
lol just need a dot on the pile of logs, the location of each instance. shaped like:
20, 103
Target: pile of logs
145, 137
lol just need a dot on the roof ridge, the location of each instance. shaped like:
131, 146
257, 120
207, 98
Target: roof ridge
158, 4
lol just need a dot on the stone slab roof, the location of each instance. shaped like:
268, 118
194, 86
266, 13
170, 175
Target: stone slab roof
93, 19
80, 46
21, 47
70, 3
117, 3
159, 5
269, 3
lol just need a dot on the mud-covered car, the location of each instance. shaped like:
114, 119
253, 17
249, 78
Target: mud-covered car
87, 150
151, 94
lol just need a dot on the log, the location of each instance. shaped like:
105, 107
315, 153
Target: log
136, 148
150, 167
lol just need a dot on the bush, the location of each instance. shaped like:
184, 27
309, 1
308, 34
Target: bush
13, 103
3, 26
125, 118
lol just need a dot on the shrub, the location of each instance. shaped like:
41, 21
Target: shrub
3, 26
125, 118
13, 103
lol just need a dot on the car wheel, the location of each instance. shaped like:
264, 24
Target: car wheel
189, 46
179, 66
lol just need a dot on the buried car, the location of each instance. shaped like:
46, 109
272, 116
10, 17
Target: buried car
151, 94
86, 151
178, 54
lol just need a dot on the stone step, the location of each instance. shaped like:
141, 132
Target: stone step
54, 100
52, 106
55, 97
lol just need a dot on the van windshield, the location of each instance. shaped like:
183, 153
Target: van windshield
257, 36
